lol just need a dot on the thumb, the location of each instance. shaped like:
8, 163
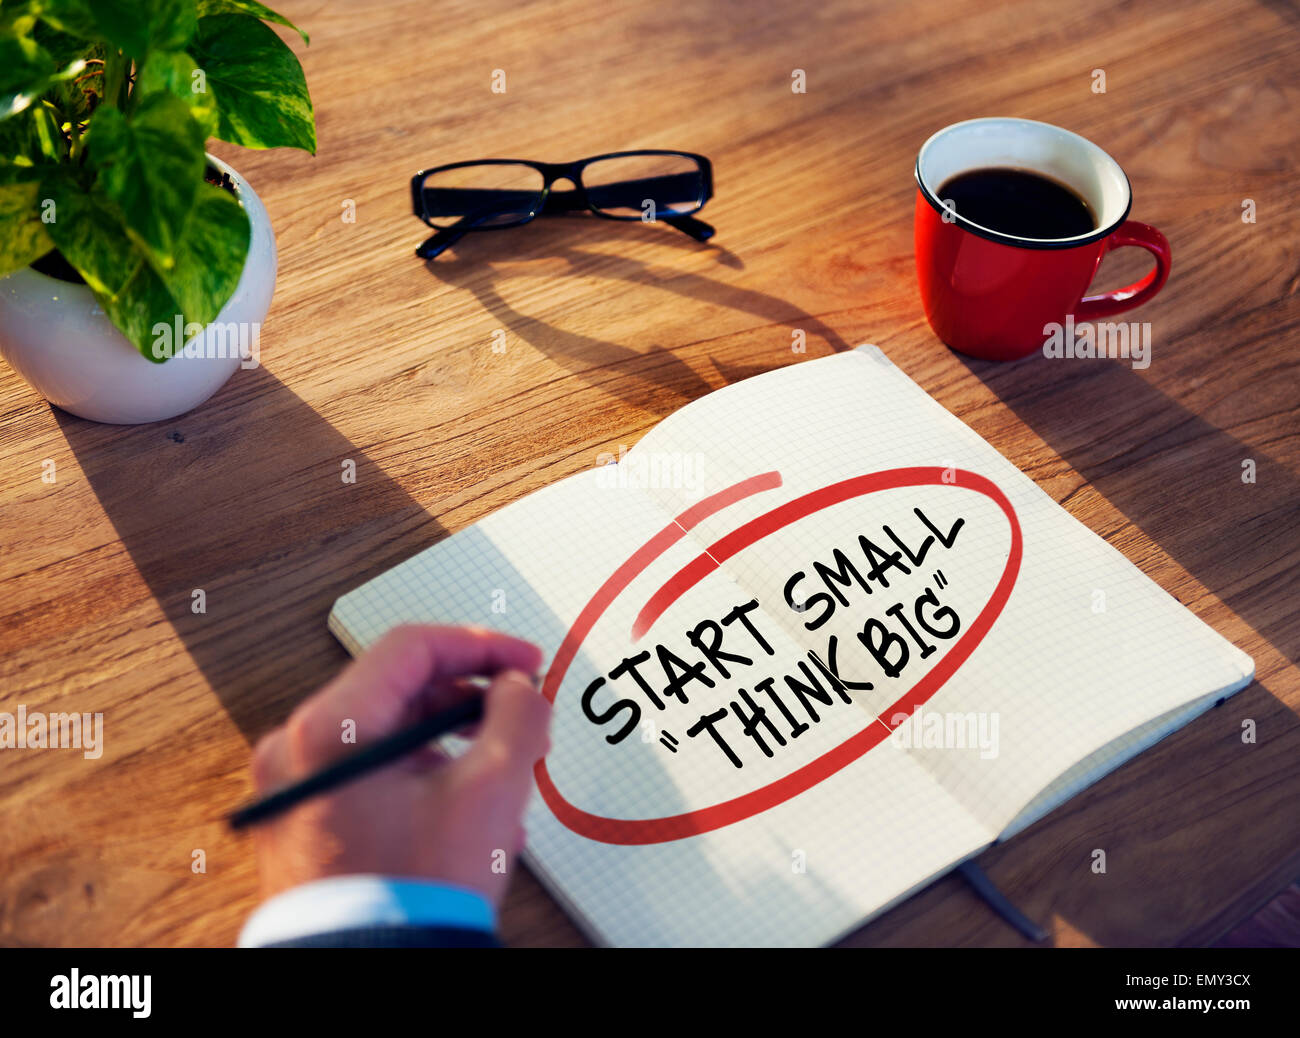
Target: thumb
515, 728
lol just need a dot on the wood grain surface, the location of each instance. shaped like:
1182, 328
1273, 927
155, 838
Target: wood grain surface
369, 354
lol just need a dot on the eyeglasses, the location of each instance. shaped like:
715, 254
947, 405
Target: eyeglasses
492, 194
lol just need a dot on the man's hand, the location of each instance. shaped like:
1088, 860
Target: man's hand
425, 816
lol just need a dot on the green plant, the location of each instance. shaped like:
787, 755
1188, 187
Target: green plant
105, 110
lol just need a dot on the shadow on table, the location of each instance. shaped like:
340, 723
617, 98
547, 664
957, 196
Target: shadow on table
480, 262
244, 501
239, 521
1178, 478
1168, 470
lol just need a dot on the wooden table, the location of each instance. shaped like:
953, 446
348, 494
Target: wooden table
371, 355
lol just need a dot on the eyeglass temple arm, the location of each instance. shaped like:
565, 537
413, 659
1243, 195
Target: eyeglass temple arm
571, 202
668, 188
697, 229
439, 243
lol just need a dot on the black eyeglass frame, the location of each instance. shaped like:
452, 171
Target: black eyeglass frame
576, 200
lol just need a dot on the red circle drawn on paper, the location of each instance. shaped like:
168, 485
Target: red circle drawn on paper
631, 831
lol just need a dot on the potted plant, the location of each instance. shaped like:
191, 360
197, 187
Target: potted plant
135, 268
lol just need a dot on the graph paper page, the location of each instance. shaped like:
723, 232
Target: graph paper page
767, 604
1084, 650
801, 872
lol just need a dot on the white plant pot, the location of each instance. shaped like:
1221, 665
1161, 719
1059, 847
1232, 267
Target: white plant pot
56, 336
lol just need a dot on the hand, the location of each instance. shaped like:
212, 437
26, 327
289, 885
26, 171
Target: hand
426, 816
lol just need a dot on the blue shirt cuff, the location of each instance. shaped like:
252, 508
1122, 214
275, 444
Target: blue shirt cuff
348, 902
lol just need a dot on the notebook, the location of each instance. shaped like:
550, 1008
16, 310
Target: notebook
811, 643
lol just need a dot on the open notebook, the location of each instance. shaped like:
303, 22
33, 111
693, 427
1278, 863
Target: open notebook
811, 643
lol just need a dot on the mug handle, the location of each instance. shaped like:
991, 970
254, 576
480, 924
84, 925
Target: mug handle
1144, 236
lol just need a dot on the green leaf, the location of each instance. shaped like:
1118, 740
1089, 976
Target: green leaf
259, 86
25, 172
207, 7
17, 16
70, 16
23, 237
20, 145
176, 73
22, 62
151, 165
211, 257
26, 71
86, 229
128, 289
141, 308
64, 46
136, 298
140, 27
49, 138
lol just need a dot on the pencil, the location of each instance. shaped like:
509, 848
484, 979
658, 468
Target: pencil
360, 762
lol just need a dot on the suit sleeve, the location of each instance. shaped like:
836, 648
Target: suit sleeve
372, 911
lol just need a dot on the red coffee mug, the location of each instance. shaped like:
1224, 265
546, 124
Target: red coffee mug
995, 295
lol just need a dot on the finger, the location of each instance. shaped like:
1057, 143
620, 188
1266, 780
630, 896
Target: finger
399, 667
269, 766
443, 693
427, 758
514, 732
379, 691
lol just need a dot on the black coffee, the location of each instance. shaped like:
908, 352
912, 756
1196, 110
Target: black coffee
1016, 201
